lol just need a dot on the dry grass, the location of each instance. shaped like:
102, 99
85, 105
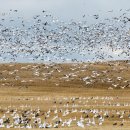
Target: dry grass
13, 92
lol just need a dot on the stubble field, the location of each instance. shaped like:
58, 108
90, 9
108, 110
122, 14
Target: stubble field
90, 96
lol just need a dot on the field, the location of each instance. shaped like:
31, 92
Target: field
73, 96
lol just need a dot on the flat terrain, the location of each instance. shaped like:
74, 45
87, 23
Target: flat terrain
91, 96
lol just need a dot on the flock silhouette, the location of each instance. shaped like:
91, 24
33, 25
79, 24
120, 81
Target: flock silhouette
44, 38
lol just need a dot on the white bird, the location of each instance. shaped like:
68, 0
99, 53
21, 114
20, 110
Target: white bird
55, 117
93, 121
80, 124
29, 126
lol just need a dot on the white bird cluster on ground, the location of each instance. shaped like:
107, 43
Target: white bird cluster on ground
88, 75
60, 115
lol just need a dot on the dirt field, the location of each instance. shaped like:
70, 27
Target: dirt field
90, 96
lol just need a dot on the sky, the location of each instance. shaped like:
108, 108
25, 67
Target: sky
65, 9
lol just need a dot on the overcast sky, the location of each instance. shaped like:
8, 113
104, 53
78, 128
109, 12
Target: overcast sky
65, 9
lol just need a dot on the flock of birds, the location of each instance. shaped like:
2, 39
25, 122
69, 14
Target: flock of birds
65, 112
111, 75
46, 39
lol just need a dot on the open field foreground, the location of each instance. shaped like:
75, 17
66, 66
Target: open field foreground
89, 96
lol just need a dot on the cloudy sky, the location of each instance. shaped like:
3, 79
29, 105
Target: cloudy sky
65, 9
